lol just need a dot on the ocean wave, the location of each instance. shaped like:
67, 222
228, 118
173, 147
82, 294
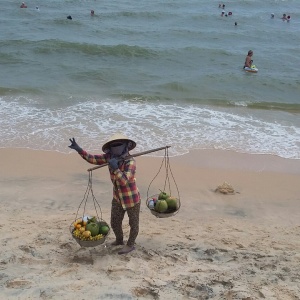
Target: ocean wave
144, 15
89, 49
59, 46
184, 126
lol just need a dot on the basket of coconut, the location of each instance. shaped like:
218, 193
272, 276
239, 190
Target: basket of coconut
89, 231
163, 205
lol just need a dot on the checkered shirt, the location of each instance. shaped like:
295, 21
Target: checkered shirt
125, 190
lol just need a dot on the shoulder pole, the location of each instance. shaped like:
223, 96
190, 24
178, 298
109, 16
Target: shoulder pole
131, 155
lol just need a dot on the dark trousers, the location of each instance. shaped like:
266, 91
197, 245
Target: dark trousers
117, 216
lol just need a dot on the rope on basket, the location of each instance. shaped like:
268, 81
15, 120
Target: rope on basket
166, 160
89, 190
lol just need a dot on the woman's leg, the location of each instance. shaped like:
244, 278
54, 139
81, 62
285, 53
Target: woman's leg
134, 216
117, 216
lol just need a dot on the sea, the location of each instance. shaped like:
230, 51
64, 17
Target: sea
160, 72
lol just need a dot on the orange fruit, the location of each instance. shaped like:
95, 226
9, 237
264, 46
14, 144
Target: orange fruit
78, 226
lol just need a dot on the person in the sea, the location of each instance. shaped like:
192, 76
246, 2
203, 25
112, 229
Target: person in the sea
126, 196
248, 60
92, 12
284, 17
23, 5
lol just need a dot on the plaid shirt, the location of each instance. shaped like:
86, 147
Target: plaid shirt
125, 190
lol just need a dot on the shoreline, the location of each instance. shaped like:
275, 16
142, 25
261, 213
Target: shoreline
217, 246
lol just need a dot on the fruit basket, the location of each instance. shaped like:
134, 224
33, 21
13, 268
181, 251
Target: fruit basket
89, 231
163, 206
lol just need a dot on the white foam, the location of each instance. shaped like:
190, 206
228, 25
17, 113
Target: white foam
184, 127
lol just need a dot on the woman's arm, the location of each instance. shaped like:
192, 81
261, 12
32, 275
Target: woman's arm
99, 159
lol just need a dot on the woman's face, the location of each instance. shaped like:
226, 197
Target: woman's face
117, 148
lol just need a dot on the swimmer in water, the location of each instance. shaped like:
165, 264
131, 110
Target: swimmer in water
92, 13
248, 60
23, 5
69, 17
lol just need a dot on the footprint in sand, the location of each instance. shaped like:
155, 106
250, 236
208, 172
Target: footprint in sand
146, 292
116, 272
81, 259
28, 249
18, 283
67, 246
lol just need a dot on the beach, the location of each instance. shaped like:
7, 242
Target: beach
243, 245
161, 73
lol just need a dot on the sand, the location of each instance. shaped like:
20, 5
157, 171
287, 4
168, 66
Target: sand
244, 245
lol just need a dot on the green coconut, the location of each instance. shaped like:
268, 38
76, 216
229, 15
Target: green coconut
172, 203
163, 196
93, 228
161, 206
104, 229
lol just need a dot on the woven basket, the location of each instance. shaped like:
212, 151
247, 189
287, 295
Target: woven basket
157, 214
90, 243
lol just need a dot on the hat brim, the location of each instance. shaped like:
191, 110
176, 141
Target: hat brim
132, 144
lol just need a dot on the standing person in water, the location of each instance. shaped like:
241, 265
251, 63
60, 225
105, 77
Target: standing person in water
248, 60
126, 196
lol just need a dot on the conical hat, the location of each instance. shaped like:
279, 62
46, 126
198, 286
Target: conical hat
119, 137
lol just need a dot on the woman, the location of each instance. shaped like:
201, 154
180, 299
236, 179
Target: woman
126, 196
